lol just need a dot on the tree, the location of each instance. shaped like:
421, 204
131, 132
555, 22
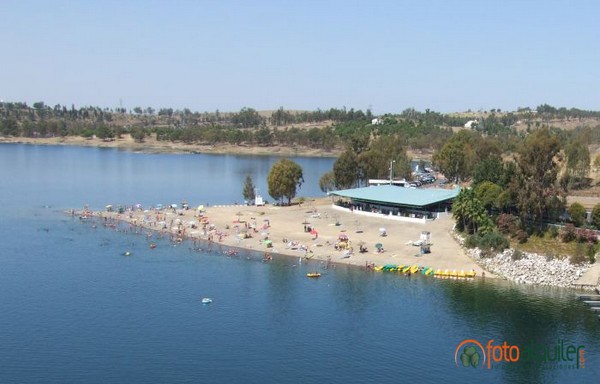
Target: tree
263, 136
375, 162
105, 133
470, 214
577, 213
457, 157
249, 189
247, 118
346, 170
597, 163
284, 178
596, 216
489, 169
489, 194
138, 134
578, 162
327, 182
538, 196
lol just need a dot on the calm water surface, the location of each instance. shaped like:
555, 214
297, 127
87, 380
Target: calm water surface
73, 309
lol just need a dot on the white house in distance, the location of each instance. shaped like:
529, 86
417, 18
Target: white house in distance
471, 124
376, 121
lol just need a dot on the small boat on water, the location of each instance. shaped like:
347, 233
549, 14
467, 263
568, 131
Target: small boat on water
313, 274
206, 300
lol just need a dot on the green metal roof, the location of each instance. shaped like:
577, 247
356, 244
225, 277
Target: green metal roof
390, 194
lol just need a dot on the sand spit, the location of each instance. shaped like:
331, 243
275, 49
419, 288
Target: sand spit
313, 230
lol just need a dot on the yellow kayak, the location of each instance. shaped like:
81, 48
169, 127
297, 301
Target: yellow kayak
313, 274
414, 269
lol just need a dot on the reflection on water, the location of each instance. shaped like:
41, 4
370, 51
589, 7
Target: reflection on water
524, 316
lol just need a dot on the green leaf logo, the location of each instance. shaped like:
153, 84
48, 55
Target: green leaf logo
470, 357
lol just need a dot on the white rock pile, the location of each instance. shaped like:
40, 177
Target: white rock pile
531, 268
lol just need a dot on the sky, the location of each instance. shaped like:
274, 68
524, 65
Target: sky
447, 56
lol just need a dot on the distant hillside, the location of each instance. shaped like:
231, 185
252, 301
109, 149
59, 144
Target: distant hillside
326, 130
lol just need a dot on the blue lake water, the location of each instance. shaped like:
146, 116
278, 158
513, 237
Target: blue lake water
73, 309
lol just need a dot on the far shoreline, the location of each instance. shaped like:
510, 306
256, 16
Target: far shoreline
152, 146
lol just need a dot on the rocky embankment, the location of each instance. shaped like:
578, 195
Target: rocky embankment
530, 268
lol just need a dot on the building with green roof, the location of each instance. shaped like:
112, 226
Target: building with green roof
412, 204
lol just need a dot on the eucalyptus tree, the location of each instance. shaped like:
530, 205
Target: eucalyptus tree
538, 194
578, 162
346, 170
284, 178
327, 182
458, 156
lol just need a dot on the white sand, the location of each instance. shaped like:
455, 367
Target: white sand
288, 223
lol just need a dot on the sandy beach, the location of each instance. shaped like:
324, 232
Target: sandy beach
288, 229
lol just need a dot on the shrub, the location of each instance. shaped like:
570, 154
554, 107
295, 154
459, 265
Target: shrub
521, 236
596, 216
552, 232
507, 224
577, 213
587, 236
591, 253
488, 242
580, 255
472, 241
567, 233
517, 255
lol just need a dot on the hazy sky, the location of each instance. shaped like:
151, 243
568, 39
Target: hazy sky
384, 55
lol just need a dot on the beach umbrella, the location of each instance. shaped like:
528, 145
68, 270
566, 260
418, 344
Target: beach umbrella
343, 236
361, 243
200, 208
378, 245
173, 206
313, 232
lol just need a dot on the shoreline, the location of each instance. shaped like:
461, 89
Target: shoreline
153, 146
288, 229
282, 231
